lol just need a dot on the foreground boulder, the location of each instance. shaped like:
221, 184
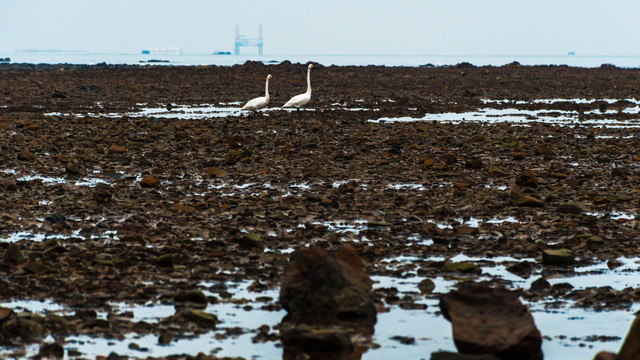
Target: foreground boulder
320, 288
489, 320
328, 299
630, 349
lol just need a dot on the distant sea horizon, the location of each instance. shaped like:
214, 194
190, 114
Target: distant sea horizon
34, 56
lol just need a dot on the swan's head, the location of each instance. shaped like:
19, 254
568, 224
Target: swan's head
310, 66
269, 76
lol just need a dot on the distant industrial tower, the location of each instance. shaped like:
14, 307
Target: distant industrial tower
242, 41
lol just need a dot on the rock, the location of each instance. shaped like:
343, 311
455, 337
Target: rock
317, 338
530, 201
14, 255
527, 178
475, 164
165, 339
149, 181
557, 257
5, 313
462, 267
49, 351
216, 172
251, 241
26, 330
117, 149
193, 296
445, 355
496, 171
522, 268
613, 263
26, 155
569, 208
539, 286
426, 286
449, 158
56, 218
33, 266
320, 288
605, 355
165, 260
201, 318
103, 194
489, 320
75, 169
630, 349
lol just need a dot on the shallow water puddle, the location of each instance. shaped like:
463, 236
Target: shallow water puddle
524, 117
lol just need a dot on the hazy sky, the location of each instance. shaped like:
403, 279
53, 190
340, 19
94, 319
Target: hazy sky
452, 27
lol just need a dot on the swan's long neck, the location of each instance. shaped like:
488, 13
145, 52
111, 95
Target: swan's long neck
309, 81
266, 88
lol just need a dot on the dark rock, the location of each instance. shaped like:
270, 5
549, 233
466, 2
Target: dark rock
529, 201
251, 241
630, 349
24, 329
559, 257
539, 286
56, 218
527, 178
489, 320
406, 340
49, 351
149, 181
445, 355
569, 208
310, 337
5, 313
14, 255
193, 296
201, 318
426, 286
165, 260
462, 267
605, 355
522, 268
320, 288
26, 155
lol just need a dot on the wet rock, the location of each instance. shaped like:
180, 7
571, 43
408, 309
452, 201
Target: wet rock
13, 255
426, 286
165, 260
251, 241
74, 169
26, 155
569, 208
149, 181
5, 313
25, 330
449, 158
541, 285
496, 171
201, 318
605, 355
316, 338
613, 263
444, 355
193, 296
475, 164
462, 267
117, 149
320, 288
630, 349
527, 178
405, 340
522, 268
529, 201
165, 339
559, 257
56, 218
489, 320
216, 172
49, 351
33, 266
103, 194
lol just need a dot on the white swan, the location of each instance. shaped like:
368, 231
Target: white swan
302, 99
259, 102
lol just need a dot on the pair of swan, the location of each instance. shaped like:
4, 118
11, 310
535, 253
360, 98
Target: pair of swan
295, 102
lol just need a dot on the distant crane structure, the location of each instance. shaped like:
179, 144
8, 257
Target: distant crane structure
241, 40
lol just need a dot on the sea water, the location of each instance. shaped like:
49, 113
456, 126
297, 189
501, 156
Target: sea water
341, 60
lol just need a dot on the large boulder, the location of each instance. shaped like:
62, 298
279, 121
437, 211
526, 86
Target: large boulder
489, 320
320, 288
630, 349
328, 299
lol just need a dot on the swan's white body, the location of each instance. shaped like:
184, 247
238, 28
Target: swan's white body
259, 102
302, 99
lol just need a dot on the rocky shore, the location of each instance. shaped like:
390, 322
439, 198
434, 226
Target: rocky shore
105, 201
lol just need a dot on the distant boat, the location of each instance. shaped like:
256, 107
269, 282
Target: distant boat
572, 52
221, 53
162, 51
5, 59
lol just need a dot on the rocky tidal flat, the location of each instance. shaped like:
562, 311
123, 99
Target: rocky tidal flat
144, 215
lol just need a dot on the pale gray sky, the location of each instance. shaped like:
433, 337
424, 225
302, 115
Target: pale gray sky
452, 27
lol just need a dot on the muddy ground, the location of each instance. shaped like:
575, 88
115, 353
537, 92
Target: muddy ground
177, 197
